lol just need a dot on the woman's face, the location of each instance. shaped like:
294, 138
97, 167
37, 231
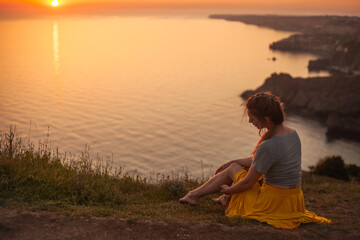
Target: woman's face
254, 120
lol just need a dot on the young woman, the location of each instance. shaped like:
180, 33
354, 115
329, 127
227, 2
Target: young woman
279, 200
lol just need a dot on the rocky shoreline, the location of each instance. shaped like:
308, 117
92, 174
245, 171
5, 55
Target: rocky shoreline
343, 59
334, 100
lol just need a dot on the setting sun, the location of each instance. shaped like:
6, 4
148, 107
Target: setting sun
55, 3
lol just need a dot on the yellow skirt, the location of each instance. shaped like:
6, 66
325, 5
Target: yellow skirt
281, 208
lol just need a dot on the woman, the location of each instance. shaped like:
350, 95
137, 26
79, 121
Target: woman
276, 158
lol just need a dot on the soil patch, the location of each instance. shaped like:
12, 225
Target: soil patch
21, 224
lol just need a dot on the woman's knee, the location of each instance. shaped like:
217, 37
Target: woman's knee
234, 168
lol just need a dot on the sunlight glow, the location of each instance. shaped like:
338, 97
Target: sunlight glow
55, 3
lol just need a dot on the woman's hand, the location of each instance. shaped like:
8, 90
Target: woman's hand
225, 189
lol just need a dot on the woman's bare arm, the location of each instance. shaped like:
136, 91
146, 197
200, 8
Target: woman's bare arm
244, 162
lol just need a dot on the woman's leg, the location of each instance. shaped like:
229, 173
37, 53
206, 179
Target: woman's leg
212, 185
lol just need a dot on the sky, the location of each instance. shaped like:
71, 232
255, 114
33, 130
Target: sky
340, 7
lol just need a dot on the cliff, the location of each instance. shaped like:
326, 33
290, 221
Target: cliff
344, 57
334, 100
321, 44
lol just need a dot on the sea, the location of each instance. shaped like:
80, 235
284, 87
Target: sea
152, 94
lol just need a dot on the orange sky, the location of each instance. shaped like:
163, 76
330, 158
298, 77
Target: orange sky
290, 3
351, 5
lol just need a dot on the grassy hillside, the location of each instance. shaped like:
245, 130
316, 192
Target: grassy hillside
40, 179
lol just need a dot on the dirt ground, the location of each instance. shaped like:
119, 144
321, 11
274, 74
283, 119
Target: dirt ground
20, 224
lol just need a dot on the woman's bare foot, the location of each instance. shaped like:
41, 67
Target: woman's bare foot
189, 199
223, 200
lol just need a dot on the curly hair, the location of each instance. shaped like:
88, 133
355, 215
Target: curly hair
266, 104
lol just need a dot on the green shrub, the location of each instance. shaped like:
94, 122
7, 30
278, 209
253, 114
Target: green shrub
353, 171
173, 189
331, 166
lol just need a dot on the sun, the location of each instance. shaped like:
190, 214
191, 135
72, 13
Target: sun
55, 3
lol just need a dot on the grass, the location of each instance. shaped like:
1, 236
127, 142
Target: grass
40, 179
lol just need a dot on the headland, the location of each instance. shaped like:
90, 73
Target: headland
336, 40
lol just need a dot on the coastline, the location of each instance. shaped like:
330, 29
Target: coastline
333, 100
335, 38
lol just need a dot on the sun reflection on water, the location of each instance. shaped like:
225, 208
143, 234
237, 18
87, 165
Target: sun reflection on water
56, 62
56, 50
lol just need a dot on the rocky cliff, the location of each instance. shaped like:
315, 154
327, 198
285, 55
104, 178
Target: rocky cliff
321, 44
344, 57
335, 100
